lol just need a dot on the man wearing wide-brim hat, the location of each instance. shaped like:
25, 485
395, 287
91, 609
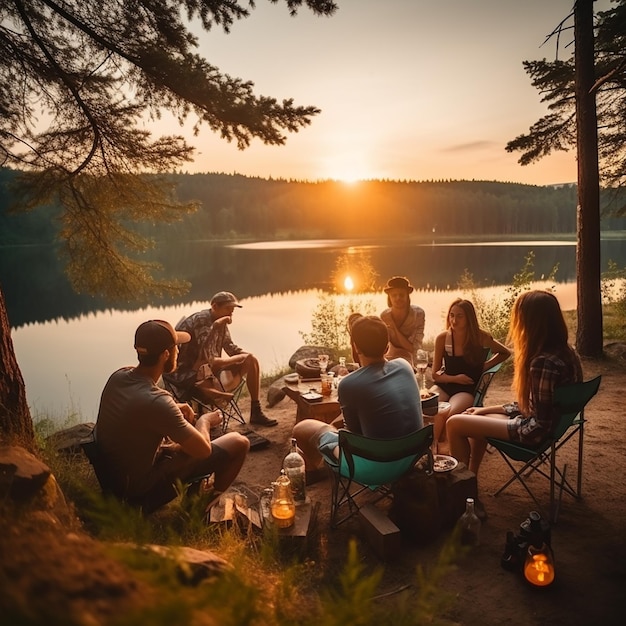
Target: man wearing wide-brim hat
404, 320
212, 344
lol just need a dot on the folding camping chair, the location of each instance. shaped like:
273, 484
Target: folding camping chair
228, 408
372, 465
570, 401
483, 384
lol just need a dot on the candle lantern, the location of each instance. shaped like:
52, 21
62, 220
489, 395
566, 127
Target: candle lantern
283, 506
539, 565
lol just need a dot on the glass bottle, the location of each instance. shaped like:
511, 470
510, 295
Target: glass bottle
469, 525
283, 505
293, 464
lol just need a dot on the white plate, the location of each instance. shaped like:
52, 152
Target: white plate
444, 463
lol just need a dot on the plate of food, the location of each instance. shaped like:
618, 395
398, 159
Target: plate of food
444, 463
292, 379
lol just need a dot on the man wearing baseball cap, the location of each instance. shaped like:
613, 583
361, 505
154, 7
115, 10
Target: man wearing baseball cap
211, 344
149, 441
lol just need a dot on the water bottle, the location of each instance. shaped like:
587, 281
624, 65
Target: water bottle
469, 525
294, 469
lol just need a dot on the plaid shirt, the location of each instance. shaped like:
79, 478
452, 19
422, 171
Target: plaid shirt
207, 341
547, 371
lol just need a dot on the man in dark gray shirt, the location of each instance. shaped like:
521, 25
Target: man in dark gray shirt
148, 440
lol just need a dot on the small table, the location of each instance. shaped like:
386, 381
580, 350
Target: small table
325, 410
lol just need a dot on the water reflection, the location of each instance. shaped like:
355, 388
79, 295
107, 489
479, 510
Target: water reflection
65, 363
68, 344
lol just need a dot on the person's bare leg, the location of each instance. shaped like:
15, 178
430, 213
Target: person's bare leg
251, 369
463, 427
477, 447
459, 402
237, 447
307, 434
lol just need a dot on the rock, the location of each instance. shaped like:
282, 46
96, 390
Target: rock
22, 474
616, 350
69, 439
192, 565
311, 352
275, 392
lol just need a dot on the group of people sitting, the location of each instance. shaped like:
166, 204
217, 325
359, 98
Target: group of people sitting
153, 441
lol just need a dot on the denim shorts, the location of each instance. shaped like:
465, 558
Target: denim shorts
328, 441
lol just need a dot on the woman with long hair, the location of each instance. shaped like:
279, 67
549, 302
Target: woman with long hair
543, 360
462, 353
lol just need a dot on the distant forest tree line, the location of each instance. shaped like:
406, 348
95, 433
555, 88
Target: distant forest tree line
232, 205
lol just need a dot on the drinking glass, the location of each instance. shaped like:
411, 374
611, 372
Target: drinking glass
421, 363
323, 360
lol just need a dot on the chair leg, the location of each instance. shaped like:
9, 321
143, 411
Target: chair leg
579, 483
517, 476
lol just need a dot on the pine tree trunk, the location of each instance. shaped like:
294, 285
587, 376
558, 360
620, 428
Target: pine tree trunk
16, 425
589, 299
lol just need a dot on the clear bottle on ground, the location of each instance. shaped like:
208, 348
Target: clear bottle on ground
293, 465
469, 525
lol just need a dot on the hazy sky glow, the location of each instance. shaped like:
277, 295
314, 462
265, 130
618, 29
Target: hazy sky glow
409, 89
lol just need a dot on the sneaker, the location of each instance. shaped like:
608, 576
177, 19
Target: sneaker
259, 418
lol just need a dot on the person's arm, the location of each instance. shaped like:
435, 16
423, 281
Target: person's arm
198, 443
500, 352
544, 377
228, 345
348, 409
437, 364
396, 337
416, 337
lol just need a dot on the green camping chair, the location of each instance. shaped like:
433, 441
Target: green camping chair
570, 402
372, 465
483, 384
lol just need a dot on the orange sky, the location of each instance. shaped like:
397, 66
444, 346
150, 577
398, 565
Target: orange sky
409, 89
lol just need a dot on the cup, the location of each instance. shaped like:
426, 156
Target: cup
327, 384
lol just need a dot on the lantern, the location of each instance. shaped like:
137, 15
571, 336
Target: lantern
539, 565
283, 506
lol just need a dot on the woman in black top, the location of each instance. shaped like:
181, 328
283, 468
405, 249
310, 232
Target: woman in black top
462, 353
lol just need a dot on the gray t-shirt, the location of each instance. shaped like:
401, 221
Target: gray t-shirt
381, 400
134, 417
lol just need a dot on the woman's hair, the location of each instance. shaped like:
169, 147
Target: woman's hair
537, 325
473, 350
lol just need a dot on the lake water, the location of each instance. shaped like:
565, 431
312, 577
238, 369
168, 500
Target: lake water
68, 345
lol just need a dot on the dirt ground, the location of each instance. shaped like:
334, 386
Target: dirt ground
589, 538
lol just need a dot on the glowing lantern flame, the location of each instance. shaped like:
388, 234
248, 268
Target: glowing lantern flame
348, 283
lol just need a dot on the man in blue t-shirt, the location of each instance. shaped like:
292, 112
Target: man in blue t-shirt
380, 400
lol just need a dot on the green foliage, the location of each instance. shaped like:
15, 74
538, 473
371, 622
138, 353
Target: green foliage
329, 322
494, 313
352, 602
613, 285
330, 317
259, 586
555, 80
98, 88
